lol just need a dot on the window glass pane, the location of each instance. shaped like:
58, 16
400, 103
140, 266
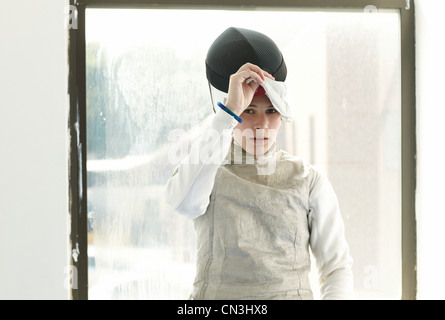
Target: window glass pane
146, 83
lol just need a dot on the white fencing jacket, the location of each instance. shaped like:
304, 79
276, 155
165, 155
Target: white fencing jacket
256, 218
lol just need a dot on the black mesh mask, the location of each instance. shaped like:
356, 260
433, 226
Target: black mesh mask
235, 47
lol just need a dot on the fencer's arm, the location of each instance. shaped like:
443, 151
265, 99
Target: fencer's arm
188, 190
328, 242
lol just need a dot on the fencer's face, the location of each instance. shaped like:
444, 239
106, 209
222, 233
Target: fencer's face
259, 129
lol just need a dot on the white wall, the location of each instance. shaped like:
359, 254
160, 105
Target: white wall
430, 63
33, 144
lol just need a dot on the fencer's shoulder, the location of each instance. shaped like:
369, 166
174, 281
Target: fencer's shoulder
301, 166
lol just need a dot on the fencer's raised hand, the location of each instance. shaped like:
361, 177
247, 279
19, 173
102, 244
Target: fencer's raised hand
242, 86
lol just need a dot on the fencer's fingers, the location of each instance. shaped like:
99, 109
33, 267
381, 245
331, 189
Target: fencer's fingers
247, 76
266, 74
249, 66
254, 85
257, 69
269, 75
254, 68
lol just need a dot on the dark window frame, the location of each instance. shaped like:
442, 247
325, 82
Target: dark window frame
77, 118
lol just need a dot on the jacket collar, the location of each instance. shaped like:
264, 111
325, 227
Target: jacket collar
238, 155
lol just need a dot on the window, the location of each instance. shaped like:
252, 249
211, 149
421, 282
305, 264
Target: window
145, 81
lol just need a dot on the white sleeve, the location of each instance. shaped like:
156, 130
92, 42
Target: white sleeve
328, 243
188, 190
